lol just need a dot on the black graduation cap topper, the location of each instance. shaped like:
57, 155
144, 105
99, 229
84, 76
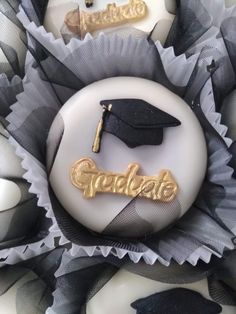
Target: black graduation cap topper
134, 121
176, 301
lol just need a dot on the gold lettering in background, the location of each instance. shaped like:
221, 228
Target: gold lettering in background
88, 178
81, 22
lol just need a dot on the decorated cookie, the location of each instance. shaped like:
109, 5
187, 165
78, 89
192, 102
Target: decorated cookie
137, 294
119, 156
126, 152
103, 286
77, 18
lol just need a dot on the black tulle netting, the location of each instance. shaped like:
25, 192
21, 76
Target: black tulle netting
57, 282
212, 28
12, 43
78, 280
208, 25
57, 71
25, 225
28, 286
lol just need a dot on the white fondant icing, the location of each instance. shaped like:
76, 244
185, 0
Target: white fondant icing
229, 114
183, 152
157, 12
10, 35
10, 194
125, 287
171, 6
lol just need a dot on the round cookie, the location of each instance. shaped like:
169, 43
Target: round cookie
182, 152
132, 291
160, 12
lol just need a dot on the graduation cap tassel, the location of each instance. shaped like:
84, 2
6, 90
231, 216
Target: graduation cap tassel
89, 3
99, 131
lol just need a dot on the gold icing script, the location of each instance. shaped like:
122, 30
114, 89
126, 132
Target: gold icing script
86, 176
81, 22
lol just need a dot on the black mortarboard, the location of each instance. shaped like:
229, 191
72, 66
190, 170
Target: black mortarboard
178, 300
134, 121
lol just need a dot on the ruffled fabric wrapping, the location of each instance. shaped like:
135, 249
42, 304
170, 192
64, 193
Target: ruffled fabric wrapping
229, 37
79, 63
16, 223
24, 227
211, 30
8, 91
35, 10
12, 40
27, 287
198, 27
79, 279
25, 224
197, 23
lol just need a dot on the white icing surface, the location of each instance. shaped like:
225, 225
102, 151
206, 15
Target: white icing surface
125, 287
10, 35
183, 152
10, 194
8, 299
57, 9
229, 114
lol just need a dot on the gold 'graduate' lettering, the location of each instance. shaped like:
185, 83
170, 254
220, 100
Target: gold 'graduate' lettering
86, 176
81, 22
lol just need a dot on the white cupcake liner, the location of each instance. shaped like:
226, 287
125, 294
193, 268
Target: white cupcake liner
67, 54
